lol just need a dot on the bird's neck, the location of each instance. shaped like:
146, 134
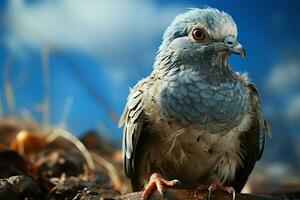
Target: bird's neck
212, 65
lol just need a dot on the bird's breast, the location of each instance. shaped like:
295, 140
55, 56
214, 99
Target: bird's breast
189, 98
193, 157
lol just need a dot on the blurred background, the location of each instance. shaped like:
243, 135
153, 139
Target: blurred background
71, 63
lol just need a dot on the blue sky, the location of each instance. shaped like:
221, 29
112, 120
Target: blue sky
98, 49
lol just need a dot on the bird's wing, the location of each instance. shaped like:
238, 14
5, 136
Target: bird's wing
252, 141
134, 123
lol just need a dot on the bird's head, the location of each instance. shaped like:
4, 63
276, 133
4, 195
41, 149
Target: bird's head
201, 35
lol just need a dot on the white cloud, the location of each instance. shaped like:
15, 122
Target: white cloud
284, 76
293, 109
119, 33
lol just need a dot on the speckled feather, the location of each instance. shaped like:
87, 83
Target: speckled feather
216, 108
193, 119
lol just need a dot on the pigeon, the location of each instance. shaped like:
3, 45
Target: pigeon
194, 120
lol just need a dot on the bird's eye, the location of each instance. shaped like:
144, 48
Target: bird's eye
198, 34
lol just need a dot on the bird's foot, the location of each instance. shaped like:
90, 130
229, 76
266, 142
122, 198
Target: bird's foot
219, 186
156, 181
216, 186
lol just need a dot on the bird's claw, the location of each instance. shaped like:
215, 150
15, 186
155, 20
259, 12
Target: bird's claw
156, 181
217, 186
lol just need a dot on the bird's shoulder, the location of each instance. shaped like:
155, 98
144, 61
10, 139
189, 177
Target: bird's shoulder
134, 98
138, 96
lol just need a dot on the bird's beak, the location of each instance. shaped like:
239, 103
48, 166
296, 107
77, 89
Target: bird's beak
234, 46
239, 50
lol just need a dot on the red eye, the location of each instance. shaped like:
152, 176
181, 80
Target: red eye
198, 34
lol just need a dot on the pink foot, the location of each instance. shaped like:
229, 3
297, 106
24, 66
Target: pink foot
219, 186
157, 182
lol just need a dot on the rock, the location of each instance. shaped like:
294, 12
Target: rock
26, 187
56, 163
73, 187
68, 188
8, 191
11, 163
96, 194
182, 194
101, 178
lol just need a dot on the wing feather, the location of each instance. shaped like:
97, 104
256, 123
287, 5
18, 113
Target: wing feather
133, 121
252, 141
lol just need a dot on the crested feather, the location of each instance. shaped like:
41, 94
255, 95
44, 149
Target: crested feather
218, 23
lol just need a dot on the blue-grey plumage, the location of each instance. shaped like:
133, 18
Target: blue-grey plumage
194, 119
